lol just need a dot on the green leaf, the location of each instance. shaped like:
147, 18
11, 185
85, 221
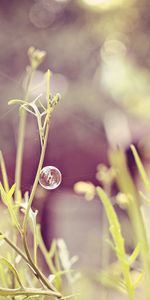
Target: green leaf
3, 276
47, 255
4, 172
110, 280
16, 101
1, 236
134, 255
52, 249
32, 216
115, 228
66, 260
8, 201
138, 280
110, 243
141, 169
11, 191
5, 262
144, 197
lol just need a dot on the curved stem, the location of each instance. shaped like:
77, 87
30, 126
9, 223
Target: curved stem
36, 180
30, 263
18, 250
40, 275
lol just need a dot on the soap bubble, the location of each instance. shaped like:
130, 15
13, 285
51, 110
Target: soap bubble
50, 178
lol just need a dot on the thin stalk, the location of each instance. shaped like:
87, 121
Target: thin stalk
41, 156
105, 249
30, 264
139, 227
4, 172
18, 250
57, 263
35, 245
24, 231
36, 180
38, 273
45, 253
127, 278
21, 133
27, 292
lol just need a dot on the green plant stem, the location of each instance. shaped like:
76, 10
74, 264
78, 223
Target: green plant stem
18, 250
36, 180
40, 275
30, 263
118, 161
27, 292
4, 172
139, 227
115, 230
127, 277
45, 253
21, 133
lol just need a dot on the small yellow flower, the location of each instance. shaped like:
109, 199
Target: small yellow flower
85, 188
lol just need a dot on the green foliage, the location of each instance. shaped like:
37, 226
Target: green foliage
130, 270
115, 230
20, 272
141, 169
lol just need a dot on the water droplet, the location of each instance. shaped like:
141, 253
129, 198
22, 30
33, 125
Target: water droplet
50, 178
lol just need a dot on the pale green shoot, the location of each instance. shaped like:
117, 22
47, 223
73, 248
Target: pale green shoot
115, 230
141, 169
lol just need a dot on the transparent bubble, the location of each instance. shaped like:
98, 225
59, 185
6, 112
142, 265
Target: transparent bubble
50, 178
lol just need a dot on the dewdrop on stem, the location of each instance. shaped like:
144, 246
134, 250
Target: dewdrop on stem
50, 178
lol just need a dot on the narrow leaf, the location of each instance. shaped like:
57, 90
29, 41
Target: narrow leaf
134, 254
138, 280
16, 101
141, 169
4, 172
7, 200
115, 228
5, 262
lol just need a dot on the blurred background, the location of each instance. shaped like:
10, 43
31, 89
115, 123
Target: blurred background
98, 52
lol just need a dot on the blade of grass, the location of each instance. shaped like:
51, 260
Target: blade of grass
141, 169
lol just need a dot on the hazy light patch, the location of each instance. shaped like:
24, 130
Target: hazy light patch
117, 129
104, 4
43, 13
116, 74
62, 1
40, 16
38, 84
112, 47
59, 83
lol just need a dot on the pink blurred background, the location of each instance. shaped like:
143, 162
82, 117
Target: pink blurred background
98, 52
